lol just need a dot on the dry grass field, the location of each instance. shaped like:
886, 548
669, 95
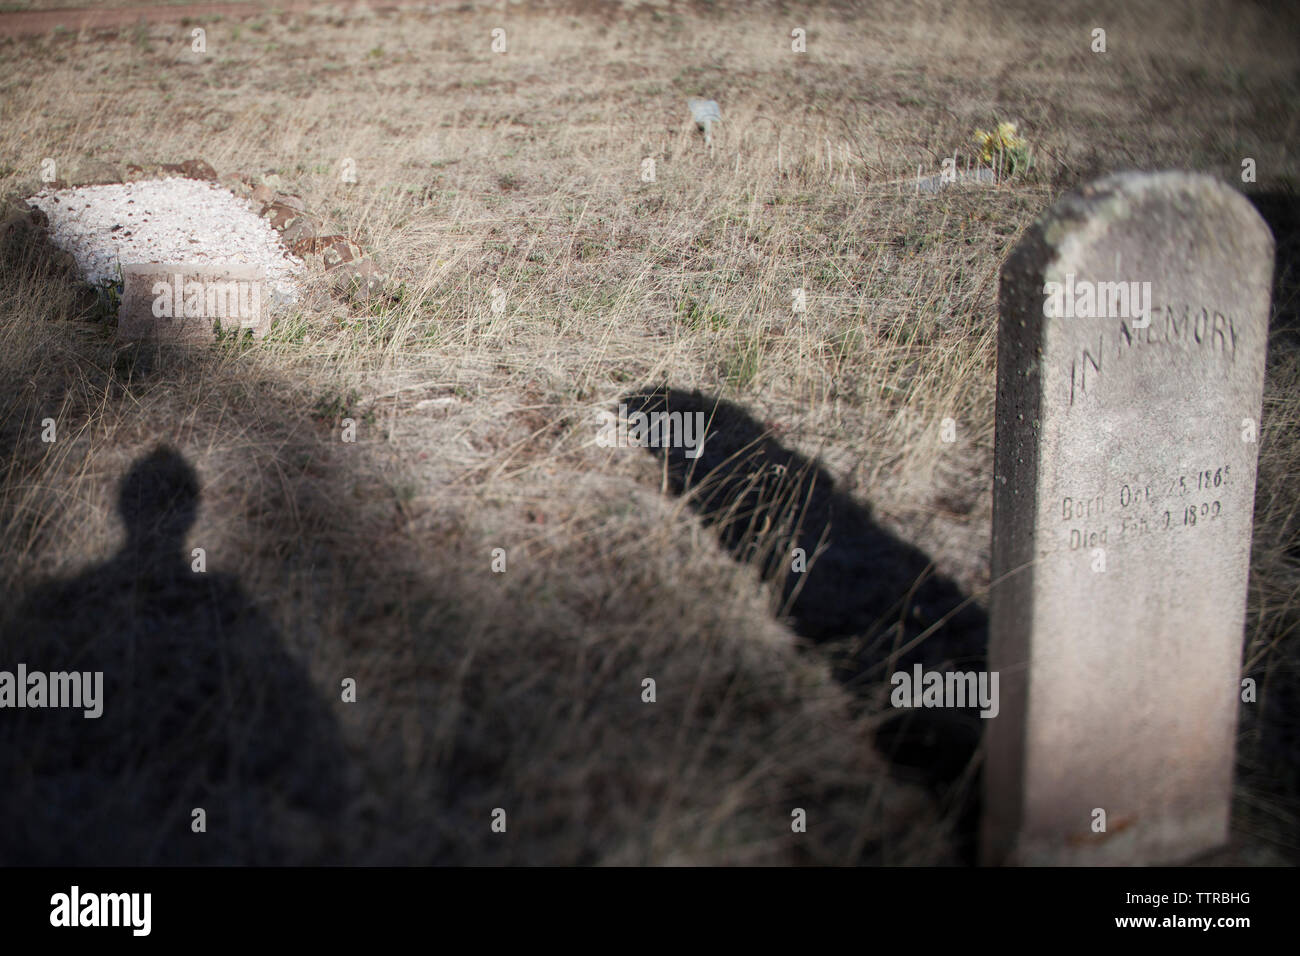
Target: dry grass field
476, 427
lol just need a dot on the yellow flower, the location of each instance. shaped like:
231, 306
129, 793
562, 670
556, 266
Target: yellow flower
1005, 139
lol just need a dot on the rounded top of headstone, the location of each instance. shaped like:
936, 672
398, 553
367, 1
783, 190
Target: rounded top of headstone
1137, 225
1182, 202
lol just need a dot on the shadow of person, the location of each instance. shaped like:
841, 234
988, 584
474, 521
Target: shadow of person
872, 601
201, 708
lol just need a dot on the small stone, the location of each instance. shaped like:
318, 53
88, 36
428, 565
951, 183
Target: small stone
359, 280
280, 216
191, 169
290, 200
299, 229
334, 250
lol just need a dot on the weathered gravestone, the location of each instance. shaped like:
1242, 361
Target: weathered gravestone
1130, 372
189, 302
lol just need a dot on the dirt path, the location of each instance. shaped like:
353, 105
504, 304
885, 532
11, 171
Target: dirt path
28, 22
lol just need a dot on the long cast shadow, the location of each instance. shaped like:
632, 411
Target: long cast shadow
872, 601
200, 707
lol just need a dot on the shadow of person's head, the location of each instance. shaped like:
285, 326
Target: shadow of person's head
158, 502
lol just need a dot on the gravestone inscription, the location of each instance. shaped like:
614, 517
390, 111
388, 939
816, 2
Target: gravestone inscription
189, 302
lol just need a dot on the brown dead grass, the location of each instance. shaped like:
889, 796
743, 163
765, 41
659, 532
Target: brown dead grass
476, 430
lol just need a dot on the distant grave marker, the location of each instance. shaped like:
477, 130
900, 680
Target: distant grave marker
954, 175
1134, 319
188, 302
